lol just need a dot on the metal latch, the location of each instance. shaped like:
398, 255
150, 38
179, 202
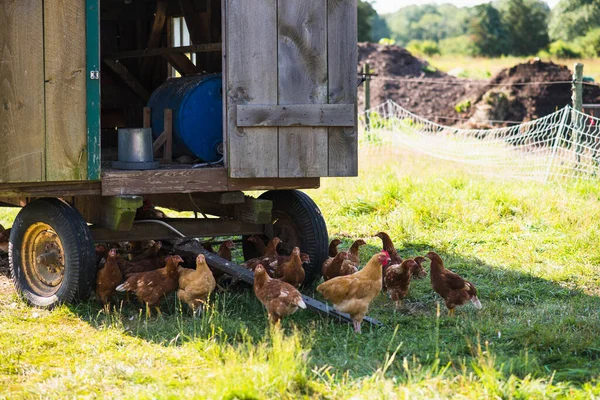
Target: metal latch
95, 75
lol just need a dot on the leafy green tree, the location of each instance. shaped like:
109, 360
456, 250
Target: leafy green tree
526, 22
366, 13
573, 18
380, 28
488, 33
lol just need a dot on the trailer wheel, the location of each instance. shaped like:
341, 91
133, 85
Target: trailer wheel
51, 254
297, 221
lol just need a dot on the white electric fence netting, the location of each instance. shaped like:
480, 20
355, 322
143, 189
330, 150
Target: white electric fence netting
565, 144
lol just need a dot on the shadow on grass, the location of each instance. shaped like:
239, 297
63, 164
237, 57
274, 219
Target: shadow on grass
531, 325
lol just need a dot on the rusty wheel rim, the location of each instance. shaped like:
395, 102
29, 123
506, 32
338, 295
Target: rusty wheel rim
43, 259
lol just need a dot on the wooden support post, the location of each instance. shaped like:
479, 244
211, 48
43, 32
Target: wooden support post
181, 63
134, 84
577, 106
165, 140
147, 117
367, 72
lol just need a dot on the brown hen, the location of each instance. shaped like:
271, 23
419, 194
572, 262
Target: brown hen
196, 285
151, 287
291, 271
397, 280
279, 298
333, 247
332, 266
454, 290
108, 278
352, 294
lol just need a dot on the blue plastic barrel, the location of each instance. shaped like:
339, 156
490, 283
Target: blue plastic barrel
197, 104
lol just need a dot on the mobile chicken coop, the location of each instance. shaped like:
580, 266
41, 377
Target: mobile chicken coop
241, 95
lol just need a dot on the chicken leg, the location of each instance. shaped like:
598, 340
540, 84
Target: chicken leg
356, 325
451, 312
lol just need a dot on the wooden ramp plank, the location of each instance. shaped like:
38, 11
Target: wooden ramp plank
251, 79
343, 58
302, 64
65, 85
193, 248
22, 130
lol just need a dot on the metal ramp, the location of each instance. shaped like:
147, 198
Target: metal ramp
192, 247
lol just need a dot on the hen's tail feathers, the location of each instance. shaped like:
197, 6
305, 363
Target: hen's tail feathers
302, 304
121, 287
476, 302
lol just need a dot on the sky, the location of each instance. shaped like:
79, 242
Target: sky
388, 6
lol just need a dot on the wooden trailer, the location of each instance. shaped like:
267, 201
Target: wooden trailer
73, 72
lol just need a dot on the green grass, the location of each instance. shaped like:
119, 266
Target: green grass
531, 249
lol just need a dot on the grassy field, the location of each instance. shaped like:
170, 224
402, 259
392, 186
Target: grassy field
531, 249
484, 68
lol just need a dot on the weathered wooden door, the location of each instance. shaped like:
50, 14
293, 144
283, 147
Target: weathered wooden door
43, 128
290, 79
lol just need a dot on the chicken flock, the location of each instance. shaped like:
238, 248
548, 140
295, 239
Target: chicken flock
150, 274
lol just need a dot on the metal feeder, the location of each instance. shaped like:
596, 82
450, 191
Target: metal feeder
135, 150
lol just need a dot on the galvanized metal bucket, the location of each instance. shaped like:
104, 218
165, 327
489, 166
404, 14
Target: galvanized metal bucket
135, 150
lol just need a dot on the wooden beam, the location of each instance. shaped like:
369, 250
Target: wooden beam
189, 227
181, 63
273, 184
116, 182
249, 115
44, 189
192, 21
160, 17
134, 84
150, 52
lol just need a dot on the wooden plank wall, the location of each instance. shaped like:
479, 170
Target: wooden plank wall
65, 68
343, 59
21, 91
252, 79
311, 60
302, 62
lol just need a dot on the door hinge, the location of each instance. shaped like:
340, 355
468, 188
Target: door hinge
95, 75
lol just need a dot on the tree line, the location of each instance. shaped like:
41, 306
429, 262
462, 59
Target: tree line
503, 27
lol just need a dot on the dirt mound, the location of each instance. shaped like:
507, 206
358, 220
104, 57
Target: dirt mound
434, 98
512, 95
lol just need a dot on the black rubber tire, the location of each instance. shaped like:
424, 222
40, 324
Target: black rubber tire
79, 254
307, 221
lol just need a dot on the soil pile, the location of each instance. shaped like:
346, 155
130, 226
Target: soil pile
434, 99
513, 94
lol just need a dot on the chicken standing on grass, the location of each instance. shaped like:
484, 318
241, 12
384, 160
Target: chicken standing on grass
291, 271
259, 244
151, 287
333, 247
388, 246
271, 249
397, 280
353, 253
417, 271
332, 267
108, 278
195, 286
279, 298
352, 294
225, 250
454, 290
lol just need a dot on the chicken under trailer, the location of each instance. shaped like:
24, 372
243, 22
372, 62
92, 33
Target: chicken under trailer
192, 248
78, 71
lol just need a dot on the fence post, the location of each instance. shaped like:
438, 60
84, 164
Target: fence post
577, 106
367, 74
561, 129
